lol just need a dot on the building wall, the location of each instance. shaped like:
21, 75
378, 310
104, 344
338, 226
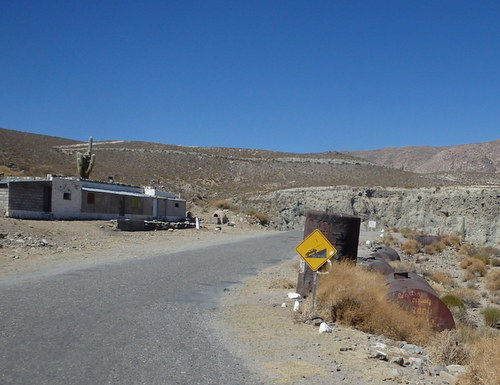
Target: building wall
111, 206
66, 198
27, 196
171, 209
4, 198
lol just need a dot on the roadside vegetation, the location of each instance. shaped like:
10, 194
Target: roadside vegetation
365, 305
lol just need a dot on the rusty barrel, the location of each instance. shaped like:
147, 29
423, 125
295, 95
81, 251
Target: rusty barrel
376, 264
426, 240
341, 230
386, 253
414, 293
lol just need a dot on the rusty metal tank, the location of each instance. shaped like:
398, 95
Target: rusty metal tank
425, 240
414, 293
386, 253
376, 264
341, 230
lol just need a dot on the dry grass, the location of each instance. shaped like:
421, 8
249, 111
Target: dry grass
411, 247
261, 217
484, 363
388, 240
447, 348
491, 316
451, 240
442, 278
434, 248
492, 280
470, 297
403, 266
474, 266
356, 297
224, 204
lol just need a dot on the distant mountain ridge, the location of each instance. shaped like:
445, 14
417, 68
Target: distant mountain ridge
208, 172
473, 157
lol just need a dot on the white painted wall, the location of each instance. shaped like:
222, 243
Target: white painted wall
62, 208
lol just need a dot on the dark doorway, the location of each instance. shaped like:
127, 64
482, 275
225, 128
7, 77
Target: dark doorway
47, 199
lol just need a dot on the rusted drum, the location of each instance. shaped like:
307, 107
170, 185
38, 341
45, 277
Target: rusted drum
425, 240
343, 233
421, 299
376, 264
386, 253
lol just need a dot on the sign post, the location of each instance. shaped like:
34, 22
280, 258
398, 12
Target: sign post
315, 250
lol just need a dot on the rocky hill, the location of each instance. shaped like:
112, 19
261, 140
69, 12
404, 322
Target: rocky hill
474, 157
462, 196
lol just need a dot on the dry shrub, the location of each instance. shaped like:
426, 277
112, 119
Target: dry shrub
484, 363
495, 261
388, 240
467, 249
434, 248
403, 266
474, 266
411, 247
357, 297
447, 348
470, 297
408, 233
443, 278
491, 316
261, 217
493, 280
451, 240
224, 204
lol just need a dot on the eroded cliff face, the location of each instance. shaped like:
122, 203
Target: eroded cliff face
473, 212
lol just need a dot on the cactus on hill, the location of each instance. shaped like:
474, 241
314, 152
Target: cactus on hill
85, 162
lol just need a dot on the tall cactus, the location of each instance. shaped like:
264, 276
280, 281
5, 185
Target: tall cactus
85, 162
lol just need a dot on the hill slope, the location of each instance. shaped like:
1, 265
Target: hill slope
474, 157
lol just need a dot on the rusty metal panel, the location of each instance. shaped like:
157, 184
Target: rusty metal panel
417, 295
341, 230
386, 253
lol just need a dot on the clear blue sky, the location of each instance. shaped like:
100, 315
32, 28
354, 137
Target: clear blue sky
296, 76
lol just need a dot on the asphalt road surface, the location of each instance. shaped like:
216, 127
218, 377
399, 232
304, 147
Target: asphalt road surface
129, 322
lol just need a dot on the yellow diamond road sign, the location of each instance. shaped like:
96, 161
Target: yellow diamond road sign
315, 250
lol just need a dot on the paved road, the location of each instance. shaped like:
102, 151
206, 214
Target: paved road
132, 322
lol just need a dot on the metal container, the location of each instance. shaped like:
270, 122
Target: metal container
341, 230
425, 240
386, 253
376, 264
415, 294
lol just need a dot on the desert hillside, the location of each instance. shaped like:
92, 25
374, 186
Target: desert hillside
473, 157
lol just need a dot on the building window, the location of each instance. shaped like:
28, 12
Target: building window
176, 204
67, 196
90, 198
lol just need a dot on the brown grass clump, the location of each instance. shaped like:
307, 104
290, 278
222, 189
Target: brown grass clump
484, 363
474, 266
434, 248
451, 240
443, 278
357, 297
261, 217
470, 297
388, 240
447, 348
411, 247
224, 204
408, 233
493, 280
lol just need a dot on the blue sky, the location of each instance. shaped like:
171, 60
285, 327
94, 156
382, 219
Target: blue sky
294, 76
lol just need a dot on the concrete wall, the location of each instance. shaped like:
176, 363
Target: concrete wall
4, 198
26, 200
96, 205
66, 198
171, 209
